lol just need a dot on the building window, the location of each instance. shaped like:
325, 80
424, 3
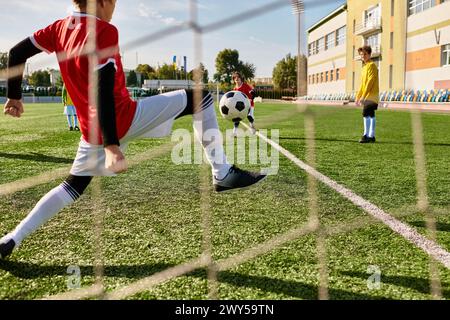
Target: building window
354, 25
446, 55
330, 40
326, 76
331, 75
321, 77
416, 6
337, 74
392, 7
372, 16
320, 45
391, 45
340, 36
391, 74
373, 42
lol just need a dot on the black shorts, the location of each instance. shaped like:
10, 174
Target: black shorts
369, 108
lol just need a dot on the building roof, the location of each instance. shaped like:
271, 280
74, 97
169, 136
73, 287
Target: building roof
330, 16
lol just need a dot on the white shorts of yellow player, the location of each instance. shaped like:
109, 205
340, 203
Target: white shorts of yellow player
70, 111
154, 118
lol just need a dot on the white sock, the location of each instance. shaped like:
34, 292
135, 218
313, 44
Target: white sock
372, 127
45, 209
366, 125
207, 132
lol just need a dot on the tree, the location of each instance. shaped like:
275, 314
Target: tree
285, 73
203, 70
59, 82
3, 60
227, 61
40, 78
132, 79
166, 72
147, 71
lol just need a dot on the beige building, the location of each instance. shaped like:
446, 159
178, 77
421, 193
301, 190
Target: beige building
327, 53
410, 40
427, 62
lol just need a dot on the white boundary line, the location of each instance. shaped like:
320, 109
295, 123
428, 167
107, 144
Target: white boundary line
430, 247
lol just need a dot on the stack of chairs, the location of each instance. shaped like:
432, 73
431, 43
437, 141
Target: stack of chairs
432, 96
441, 95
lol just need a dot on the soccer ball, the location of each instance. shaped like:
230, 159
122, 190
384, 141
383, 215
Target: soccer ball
234, 106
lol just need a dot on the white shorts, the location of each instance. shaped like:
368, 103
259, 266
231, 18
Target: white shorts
154, 118
70, 111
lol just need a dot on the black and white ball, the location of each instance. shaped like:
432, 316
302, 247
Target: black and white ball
234, 106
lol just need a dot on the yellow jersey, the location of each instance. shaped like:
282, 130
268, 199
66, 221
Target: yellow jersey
67, 100
369, 89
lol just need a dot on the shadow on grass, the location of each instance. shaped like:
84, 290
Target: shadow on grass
34, 156
26, 270
418, 284
440, 226
356, 140
290, 288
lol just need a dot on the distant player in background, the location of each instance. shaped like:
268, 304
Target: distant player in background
245, 88
368, 94
69, 110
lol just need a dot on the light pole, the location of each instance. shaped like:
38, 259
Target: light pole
298, 8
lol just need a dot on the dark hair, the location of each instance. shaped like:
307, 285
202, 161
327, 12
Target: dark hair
80, 3
366, 49
238, 74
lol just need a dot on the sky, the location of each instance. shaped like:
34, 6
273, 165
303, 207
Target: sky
262, 40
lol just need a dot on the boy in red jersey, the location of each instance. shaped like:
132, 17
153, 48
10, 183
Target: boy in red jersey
245, 88
110, 123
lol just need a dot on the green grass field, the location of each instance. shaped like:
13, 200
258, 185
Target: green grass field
153, 215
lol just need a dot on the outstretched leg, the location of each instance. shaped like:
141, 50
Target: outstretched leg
206, 128
207, 131
49, 205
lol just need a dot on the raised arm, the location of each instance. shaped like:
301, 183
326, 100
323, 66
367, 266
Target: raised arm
18, 56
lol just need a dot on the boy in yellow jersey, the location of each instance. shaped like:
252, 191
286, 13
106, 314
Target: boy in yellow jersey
368, 94
69, 110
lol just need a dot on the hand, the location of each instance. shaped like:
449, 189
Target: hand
115, 160
358, 102
13, 107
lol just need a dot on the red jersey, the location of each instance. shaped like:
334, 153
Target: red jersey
68, 38
245, 88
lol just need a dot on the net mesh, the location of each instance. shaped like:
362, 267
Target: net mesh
313, 226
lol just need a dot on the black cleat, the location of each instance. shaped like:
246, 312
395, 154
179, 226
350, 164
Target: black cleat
237, 178
364, 139
6, 248
76, 128
372, 139
70, 128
